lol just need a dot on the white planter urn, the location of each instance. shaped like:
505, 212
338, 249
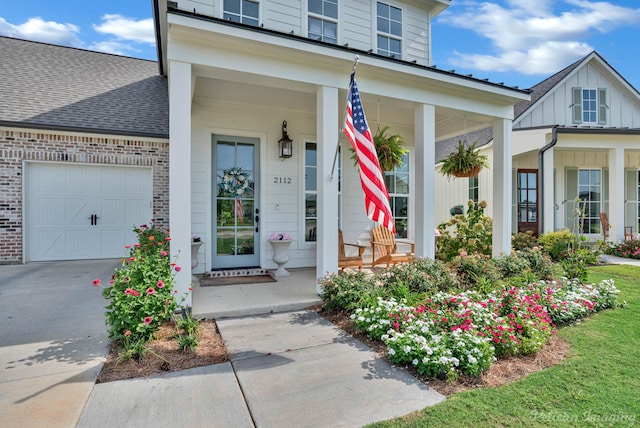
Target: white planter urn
195, 246
280, 255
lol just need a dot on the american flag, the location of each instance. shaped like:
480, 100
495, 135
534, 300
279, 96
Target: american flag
376, 196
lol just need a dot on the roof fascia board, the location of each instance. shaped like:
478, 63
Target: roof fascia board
48, 127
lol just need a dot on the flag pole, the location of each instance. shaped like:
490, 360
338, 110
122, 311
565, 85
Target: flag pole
356, 59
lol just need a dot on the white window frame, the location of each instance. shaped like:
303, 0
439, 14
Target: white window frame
242, 15
390, 36
338, 173
474, 187
325, 18
595, 218
407, 196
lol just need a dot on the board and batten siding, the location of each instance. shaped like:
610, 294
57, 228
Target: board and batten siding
624, 109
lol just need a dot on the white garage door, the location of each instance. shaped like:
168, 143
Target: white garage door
84, 211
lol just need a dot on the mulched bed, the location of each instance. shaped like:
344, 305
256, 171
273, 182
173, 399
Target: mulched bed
212, 350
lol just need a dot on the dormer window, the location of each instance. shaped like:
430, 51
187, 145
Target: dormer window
244, 11
323, 20
389, 24
589, 106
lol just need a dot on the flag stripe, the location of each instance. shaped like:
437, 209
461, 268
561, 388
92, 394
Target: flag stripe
376, 196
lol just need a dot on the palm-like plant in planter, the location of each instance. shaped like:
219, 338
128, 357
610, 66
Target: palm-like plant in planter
389, 148
464, 161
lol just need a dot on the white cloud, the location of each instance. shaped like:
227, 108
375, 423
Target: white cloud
529, 37
42, 31
139, 31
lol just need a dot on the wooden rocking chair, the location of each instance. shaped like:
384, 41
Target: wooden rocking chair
604, 222
345, 261
384, 248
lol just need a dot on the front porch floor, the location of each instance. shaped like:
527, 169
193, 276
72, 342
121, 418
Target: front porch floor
294, 292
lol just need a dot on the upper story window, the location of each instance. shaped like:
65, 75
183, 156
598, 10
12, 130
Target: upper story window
589, 106
323, 20
244, 11
389, 30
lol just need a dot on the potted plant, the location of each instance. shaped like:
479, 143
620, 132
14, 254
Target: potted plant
280, 242
196, 242
389, 149
464, 161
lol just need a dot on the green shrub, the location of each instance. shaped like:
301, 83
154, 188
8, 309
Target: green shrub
574, 263
422, 275
511, 265
473, 270
346, 291
540, 263
523, 240
470, 232
558, 243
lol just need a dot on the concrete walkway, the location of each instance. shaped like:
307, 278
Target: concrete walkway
290, 369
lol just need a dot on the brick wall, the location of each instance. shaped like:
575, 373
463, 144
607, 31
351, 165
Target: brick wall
18, 145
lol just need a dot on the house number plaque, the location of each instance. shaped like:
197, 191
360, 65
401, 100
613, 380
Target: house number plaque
283, 180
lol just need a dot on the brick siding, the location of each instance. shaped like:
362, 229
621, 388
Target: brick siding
21, 145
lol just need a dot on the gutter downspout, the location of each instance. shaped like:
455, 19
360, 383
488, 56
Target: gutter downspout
554, 140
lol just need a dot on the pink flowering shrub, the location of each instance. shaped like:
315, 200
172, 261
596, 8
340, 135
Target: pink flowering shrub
140, 293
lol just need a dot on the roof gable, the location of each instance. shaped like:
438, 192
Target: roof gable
590, 71
50, 86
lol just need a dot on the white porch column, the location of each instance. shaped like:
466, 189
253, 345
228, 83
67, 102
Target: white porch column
549, 213
327, 203
616, 194
180, 172
425, 141
502, 183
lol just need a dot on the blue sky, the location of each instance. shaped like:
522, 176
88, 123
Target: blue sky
518, 42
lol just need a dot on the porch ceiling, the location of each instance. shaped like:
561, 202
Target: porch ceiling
242, 88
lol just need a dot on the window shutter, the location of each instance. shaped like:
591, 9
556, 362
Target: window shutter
576, 99
602, 106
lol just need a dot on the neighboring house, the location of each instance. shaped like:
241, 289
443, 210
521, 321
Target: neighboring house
577, 139
83, 151
238, 69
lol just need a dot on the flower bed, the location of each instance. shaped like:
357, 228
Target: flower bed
453, 334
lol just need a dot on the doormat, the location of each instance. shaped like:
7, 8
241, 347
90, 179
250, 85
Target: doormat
231, 280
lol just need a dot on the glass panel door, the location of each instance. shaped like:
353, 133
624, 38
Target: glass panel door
235, 202
527, 200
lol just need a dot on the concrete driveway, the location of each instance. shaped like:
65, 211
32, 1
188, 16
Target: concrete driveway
52, 342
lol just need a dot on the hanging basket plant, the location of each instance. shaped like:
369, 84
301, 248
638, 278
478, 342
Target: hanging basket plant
389, 149
464, 162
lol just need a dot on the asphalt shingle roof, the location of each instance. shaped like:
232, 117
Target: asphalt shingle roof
67, 88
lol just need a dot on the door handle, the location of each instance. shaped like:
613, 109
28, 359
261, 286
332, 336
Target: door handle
94, 219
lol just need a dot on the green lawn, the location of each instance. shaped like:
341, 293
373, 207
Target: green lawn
597, 385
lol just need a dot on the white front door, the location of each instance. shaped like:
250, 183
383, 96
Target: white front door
77, 212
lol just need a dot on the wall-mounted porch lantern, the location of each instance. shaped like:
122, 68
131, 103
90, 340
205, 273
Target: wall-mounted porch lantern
285, 143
